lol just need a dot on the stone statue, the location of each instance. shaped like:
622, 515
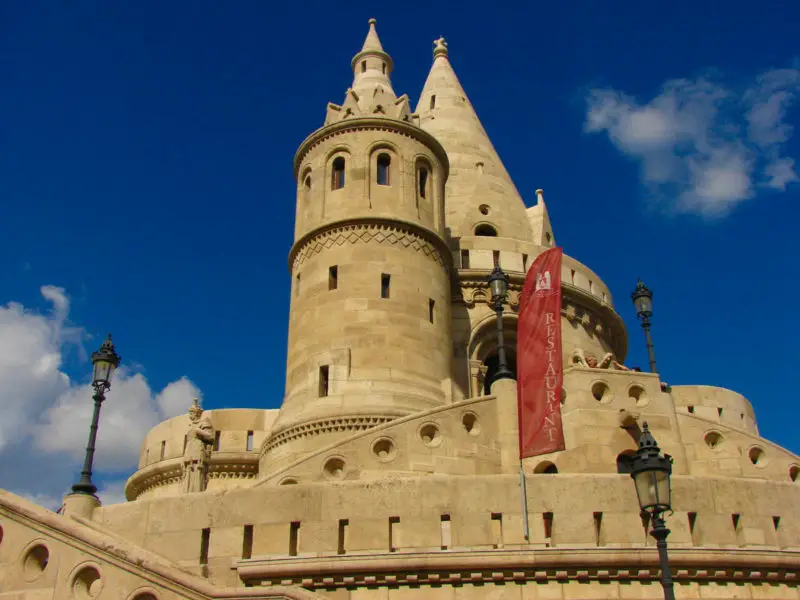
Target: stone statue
197, 454
609, 361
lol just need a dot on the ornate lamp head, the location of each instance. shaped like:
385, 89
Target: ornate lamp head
105, 361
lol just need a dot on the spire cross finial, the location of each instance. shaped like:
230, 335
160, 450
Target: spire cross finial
439, 47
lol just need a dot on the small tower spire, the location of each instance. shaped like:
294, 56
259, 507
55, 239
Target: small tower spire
371, 69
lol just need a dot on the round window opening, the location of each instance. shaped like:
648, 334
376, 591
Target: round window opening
471, 424
36, 561
384, 449
486, 230
757, 456
289, 481
713, 439
639, 395
794, 472
145, 596
430, 435
484, 209
334, 468
87, 584
601, 392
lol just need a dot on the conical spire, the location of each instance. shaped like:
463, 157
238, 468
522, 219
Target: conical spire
373, 42
479, 189
371, 69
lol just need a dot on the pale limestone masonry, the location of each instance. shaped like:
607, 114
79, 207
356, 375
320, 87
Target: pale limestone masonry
390, 472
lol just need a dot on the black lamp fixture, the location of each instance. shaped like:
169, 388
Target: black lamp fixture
105, 361
498, 286
643, 301
651, 475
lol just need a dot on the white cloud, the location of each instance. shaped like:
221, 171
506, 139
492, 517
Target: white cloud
703, 147
46, 416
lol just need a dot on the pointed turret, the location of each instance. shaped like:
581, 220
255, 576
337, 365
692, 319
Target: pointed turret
479, 190
540, 223
371, 93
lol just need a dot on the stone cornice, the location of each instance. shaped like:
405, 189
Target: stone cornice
222, 465
421, 238
517, 566
366, 123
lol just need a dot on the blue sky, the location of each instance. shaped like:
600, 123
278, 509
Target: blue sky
146, 152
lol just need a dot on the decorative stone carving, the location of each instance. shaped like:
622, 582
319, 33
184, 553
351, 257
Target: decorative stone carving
197, 454
608, 361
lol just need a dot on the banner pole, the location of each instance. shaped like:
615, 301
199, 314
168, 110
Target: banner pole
523, 488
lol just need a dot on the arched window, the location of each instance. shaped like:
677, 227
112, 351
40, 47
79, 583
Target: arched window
363, 66
486, 230
307, 185
384, 68
337, 175
422, 181
384, 164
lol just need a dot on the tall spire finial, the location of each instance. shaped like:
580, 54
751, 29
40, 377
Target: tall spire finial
439, 47
373, 42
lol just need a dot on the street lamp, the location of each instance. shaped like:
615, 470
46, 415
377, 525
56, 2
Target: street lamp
651, 472
105, 361
498, 286
643, 301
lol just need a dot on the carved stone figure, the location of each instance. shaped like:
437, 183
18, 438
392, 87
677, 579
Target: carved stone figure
197, 454
608, 361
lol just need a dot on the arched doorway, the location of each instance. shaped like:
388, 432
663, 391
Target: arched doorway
483, 352
492, 362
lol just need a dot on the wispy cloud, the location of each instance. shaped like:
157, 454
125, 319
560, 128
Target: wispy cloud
704, 147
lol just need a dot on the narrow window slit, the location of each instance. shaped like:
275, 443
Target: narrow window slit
217, 436
385, 285
431, 307
333, 278
324, 381
247, 542
497, 530
392, 533
205, 539
249, 444
294, 538
343, 524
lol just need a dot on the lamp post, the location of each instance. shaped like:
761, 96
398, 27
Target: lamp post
651, 474
105, 361
643, 301
498, 286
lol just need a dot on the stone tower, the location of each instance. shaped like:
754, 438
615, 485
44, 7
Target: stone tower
369, 331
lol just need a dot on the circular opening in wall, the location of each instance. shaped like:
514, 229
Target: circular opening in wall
484, 209
334, 468
639, 395
546, 468
713, 439
36, 561
601, 392
430, 435
757, 456
289, 481
794, 472
470, 423
145, 596
486, 230
384, 450
87, 583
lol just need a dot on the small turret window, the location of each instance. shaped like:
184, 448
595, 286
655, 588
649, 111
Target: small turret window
384, 166
307, 187
384, 68
422, 182
337, 175
363, 66
486, 230
433, 101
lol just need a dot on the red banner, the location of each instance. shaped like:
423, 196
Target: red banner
539, 366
